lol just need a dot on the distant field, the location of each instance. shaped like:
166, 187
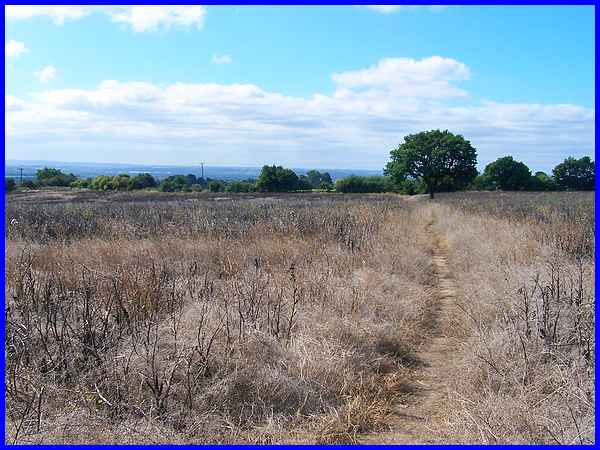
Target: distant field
149, 317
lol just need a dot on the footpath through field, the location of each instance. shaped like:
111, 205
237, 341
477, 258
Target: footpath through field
421, 419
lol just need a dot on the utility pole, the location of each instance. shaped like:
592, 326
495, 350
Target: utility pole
21, 170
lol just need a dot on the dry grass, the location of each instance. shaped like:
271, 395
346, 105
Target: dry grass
247, 321
525, 267
294, 318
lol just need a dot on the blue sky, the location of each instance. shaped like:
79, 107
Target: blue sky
300, 86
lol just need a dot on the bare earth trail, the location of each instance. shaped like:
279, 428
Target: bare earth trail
420, 420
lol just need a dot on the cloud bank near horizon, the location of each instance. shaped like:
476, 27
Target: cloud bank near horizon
355, 126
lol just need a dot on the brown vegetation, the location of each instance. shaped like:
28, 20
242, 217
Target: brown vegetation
294, 318
201, 322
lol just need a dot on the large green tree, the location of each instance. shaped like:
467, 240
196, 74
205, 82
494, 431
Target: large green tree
507, 174
576, 174
442, 160
277, 179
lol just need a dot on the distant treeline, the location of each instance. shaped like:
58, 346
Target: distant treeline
426, 162
503, 174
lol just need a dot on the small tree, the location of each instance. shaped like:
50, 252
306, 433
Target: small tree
576, 174
507, 174
439, 158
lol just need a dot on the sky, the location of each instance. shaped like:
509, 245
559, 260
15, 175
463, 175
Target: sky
299, 86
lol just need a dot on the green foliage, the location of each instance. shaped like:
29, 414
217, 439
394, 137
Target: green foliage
81, 183
411, 186
119, 183
326, 186
9, 184
277, 179
216, 186
481, 183
175, 183
507, 174
314, 178
54, 177
240, 186
442, 160
356, 184
142, 181
100, 183
542, 182
47, 172
196, 187
576, 174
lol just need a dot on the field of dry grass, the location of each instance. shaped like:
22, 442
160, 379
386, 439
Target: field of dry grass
295, 318
524, 264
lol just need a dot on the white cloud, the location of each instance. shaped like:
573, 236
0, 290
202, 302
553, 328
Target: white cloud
46, 74
359, 123
390, 9
14, 48
221, 59
59, 14
428, 77
149, 18
140, 18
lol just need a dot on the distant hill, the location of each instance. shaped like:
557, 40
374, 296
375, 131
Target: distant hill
90, 169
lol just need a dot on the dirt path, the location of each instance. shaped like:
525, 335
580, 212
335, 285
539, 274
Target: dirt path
421, 419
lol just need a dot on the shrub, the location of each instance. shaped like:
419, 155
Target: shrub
142, 181
54, 177
216, 186
81, 183
240, 186
357, 184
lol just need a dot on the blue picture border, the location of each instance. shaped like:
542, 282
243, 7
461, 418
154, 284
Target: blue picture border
213, 3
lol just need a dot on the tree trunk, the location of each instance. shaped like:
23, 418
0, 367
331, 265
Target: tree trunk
430, 194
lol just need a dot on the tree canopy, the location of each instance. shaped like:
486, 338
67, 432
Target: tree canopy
277, 179
507, 174
442, 160
576, 174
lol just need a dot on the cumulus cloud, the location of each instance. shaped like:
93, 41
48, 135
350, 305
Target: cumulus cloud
221, 59
366, 115
46, 74
428, 77
140, 18
150, 18
14, 48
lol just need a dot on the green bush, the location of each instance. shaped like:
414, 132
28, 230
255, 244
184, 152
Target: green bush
54, 177
357, 184
216, 186
240, 186
81, 183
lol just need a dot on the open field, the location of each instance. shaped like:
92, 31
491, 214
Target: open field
308, 318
